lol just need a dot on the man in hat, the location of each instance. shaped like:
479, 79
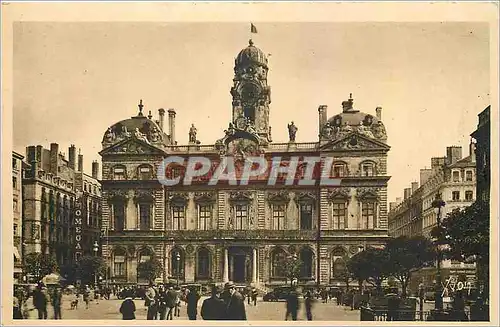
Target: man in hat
214, 307
40, 300
151, 302
235, 309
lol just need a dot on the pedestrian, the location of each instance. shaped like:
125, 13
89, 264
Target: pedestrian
392, 306
178, 302
86, 296
292, 305
248, 292
127, 309
214, 307
171, 302
308, 301
254, 296
235, 309
40, 301
151, 303
57, 302
192, 304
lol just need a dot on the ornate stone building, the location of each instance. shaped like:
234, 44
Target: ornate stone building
53, 188
18, 168
224, 232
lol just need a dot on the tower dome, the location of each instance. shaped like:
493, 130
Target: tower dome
251, 55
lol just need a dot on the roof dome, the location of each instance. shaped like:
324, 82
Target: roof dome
251, 55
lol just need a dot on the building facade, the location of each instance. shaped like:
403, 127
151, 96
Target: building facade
53, 187
18, 167
482, 136
242, 231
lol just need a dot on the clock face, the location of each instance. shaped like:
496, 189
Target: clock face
241, 123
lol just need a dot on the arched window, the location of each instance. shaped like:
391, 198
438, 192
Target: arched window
278, 256
144, 172
367, 169
306, 257
119, 173
203, 264
338, 263
177, 263
120, 263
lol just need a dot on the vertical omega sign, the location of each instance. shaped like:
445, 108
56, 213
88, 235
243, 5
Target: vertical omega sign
78, 228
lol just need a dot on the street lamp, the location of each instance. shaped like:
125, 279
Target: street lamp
293, 279
437, 204
95, 249
178, 259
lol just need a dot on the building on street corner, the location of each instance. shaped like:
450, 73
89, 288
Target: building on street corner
214, 233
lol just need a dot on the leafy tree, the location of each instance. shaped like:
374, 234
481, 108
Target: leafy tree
89, 268
39, 265
408, 254
370, 265
290, 268
466, 234
150, 270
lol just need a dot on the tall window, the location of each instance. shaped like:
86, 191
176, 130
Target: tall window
278, 216
205, 216
368, 215
338, 266
367, 169
203, 271
306, 257
339, 170
14, 163
14, 182
119, 173
277, 258
178, 217
119, 264
177, 263
339, 214
144, 173
306, 216
119, 216
14, 205
469, 195
456, 176
455, 195
468, 176
241, 216
145, 216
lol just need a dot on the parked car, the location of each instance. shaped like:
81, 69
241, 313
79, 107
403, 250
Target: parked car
279, 293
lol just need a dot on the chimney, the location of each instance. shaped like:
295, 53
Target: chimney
472, 151
54, 158
95, 169
80, 161
171, 125
424, 175
322, 110
161, 113
378, 110
453, 154
414, 187
437, 162
407, 193
72, 156
398, 200
30, 153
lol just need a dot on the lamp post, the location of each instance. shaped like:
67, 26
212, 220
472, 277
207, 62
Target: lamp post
437, 204
178, 260
95, 249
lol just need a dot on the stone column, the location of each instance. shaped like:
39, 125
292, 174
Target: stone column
254, 266
225, 276
137, 221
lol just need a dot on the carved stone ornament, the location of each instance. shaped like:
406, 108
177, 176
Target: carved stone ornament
189, 249
144, 195
353, 249
278, 196
338, 193
178, 197
204, 197
240, 196
367, 192
117, 195
305, 197
131, 250
292, 249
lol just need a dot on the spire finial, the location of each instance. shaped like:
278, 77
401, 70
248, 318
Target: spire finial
350, 96
250, 42
140, 107
150, 115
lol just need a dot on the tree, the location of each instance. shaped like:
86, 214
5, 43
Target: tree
408, 254
466, 234
290, 268
39, 265
89, 268
370, 265
150, 270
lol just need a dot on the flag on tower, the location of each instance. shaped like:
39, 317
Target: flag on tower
253, 29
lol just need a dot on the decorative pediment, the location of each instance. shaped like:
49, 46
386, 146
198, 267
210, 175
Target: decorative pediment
144, 195
305, 197
133, 146
240, 196
117, 195
339, 193
355, 141
368, 193
204, 197
278, 196
178, 197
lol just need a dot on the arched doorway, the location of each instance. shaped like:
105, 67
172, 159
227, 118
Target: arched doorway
240, 264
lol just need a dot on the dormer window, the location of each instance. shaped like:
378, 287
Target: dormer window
339, 170
367, 169
145, 172
119, 173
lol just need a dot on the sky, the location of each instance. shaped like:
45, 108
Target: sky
73, 80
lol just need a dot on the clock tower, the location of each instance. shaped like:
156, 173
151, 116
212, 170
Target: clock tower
250, 92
